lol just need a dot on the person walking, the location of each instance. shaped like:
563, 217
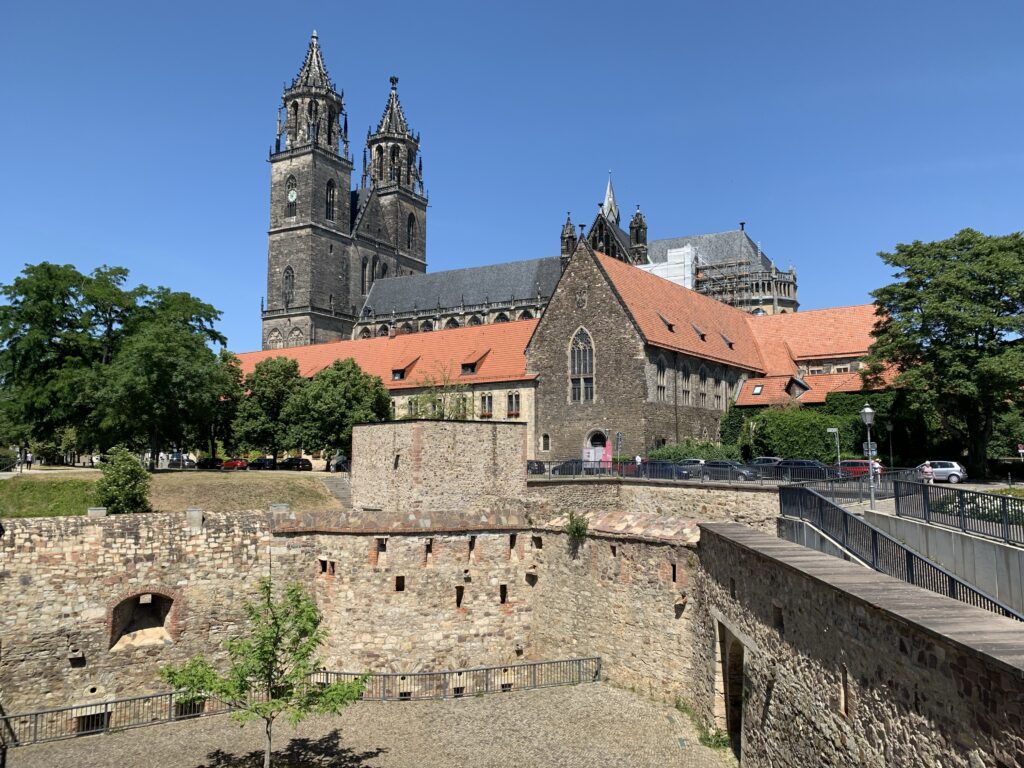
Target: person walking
28, 459
927, 473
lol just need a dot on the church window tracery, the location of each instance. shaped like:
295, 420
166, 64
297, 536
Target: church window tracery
410, 232
581, 368
329, 203
288, 287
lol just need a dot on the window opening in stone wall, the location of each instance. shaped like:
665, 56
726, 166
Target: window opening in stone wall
428, 551
382, 545
673, 573
330, 567
486, 405
661, 394
615, 551
459, 594
581, 368
399, 583
503, 593
538, 542
288, 288
395, 463
844, 691
778, 621
531, 579
329, 202
323, 565
545, 442
506, 687
458, 691
140, 620
513, 405
92, 723
512, 538
472, 545
732, 588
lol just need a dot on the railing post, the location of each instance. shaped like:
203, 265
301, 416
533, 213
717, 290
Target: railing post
533, 675
874, 549
170, 706
951, 586
896, 496
960, 510
1003, 509
579, 670
910, 567
487, 680
846, 529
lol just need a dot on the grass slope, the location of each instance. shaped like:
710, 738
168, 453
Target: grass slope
49, 494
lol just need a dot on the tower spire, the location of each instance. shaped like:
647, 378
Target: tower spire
393, 120
609, 208
313, 72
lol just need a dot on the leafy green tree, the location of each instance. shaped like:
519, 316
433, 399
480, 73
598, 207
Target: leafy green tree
260, 423
324, 410
161, 381
272, 669
951, 325
124, 487
443, 398
694, 449
799, 432
217, 424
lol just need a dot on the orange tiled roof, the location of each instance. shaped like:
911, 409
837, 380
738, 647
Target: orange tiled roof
673, 317
773, 388
816, 334
773, 391
498, 349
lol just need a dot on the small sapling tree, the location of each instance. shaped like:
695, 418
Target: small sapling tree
272, 669
576, 529
124, 486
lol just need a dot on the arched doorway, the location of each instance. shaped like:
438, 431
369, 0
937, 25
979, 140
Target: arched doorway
733, 658
597, 439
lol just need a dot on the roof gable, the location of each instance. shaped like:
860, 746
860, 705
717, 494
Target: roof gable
676, 318
839, 332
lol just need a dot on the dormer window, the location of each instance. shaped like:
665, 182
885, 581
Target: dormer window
468, 369
703, 336
671, 327
758, 389
727, 340
398, 374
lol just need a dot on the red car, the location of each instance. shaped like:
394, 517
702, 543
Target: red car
857, 467
235, 464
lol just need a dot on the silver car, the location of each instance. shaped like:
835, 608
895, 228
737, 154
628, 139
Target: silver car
949, 471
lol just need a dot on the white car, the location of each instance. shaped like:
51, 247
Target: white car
949, 471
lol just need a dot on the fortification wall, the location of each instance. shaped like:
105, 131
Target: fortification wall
61, 579
753, 505
809, 660
437, 466
620, 599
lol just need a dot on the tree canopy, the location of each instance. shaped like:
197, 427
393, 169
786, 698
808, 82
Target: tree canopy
952, 326
260, 422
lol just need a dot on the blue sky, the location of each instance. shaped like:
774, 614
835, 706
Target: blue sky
137, 133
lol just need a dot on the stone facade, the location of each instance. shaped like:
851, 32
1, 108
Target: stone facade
807, 660
626, 375
437, 466
328, 243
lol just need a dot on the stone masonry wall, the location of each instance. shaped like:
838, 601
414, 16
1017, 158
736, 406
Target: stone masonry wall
753, 505
61, 579
622, 600
841, 666
425, 466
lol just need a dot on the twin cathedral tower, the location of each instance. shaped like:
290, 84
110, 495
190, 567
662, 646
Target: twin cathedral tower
328, 242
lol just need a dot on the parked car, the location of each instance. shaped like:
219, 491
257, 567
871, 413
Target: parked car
691, 465
950, 471
261, 463
570, 467
535, 467
857, 467
722, 469
799, 470
180, 461
235, 464
664, 470
209, 462
296, 463
765, 461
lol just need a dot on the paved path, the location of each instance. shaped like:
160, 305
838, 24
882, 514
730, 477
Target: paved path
586, 726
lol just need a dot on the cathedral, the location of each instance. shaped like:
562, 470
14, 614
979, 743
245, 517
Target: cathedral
329, 242
348, 262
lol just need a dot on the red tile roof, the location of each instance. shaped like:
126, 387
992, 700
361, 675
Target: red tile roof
773, 388
673, 317
813, 335
498, 350
773, 391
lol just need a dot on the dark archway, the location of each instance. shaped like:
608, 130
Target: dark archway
142, 619
733, 658
597, 439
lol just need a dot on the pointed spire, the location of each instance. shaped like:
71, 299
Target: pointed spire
609, 208
313, 72
393, 120
568, 229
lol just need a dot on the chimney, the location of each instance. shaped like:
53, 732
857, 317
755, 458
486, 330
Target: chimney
743, 226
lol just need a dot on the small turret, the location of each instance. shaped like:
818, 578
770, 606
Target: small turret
568, 244
638, 237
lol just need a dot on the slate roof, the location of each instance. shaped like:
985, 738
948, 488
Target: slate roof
498, 348
715, 248
656, 304
473, 285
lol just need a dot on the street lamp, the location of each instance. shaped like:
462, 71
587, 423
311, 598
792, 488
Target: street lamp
888, 428
867, 415
835, 431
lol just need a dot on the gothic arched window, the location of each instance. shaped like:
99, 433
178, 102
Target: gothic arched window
501, 318
330, 125
702, 388
296, 338
329, 202
410, 232
290, 193
684, 385
288, 287
379, 162
362, 283
275, 340
383, 330
373, 270
293, 129
581, 368
394, 169
661, 392
452, 323
383, 270
474, 320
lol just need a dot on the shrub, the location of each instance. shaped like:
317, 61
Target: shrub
576, 528
124, 487
713, 737
692, 449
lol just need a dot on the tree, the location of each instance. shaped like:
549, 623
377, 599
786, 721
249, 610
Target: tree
260, 422
443, 398
951, 325
271, 670
218, 421
124, 487
322, 412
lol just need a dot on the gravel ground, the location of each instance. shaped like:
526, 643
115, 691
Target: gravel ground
586, 725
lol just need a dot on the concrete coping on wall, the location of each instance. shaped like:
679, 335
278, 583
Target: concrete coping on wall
539, 482
96, 512
974, 630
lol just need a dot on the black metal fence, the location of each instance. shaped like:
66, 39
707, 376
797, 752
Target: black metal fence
881, 551
138, 711
986, 514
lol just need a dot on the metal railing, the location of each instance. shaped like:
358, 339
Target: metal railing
842, 484
153, 709
880, 551
856, 490
985, 514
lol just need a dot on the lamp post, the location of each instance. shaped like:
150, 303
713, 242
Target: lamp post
835, 431
888, 428
867, 415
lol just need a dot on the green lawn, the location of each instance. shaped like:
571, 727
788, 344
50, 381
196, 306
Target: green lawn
44, 497
1016, 491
